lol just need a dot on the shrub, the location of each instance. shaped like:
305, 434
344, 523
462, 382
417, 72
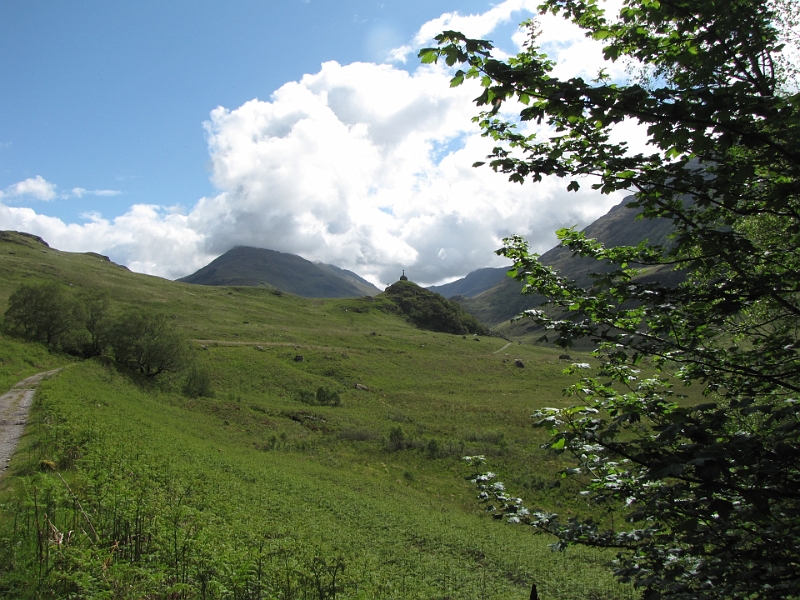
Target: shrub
326, 397
397, 439
432, 449
323, 397
148, 343
198, 384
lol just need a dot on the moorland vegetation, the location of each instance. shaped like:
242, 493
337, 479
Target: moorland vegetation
126, 486
686, 429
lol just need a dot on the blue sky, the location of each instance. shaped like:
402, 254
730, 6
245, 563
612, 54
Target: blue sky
164, 133
112, 95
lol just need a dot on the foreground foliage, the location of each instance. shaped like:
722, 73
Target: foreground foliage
125, 491
709, 491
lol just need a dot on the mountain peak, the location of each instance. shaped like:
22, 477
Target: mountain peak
260, 267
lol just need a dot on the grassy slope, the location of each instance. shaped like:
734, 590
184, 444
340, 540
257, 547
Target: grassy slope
306, 481
19, 359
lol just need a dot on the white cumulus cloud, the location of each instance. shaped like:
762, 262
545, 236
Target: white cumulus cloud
365, 166
369, 167
33, 187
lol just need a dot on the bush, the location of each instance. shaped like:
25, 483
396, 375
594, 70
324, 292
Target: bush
42, 312
397, 439
432, 449
198, 384
323, 397
326, 397
148, 343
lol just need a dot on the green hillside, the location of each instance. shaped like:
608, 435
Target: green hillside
367, 289
254, 492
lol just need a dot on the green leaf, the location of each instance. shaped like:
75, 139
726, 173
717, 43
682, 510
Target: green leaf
428, 55
457, 80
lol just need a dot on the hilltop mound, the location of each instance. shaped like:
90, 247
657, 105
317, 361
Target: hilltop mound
22, 238
428, 310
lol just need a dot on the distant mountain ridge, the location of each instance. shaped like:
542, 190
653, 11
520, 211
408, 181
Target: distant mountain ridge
618, 227
473, 283
259, 267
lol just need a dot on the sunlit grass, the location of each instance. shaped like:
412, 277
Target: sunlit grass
252, 493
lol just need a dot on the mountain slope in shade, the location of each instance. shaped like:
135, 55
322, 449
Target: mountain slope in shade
473, 284
246, 266
618, 227
365, 286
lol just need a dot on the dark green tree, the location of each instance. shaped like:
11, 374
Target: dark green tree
95, 306
710, 491
43, 312
326, 397
148, 343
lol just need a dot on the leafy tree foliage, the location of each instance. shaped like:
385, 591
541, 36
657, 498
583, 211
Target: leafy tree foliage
95, 308
79, 324
709, 491
148, 343
43, 312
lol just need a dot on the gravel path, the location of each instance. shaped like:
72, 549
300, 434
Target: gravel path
14, 407
503, 348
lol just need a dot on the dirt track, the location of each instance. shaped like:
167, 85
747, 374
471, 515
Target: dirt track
14, 407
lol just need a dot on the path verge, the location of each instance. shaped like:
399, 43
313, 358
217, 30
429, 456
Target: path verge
14, 407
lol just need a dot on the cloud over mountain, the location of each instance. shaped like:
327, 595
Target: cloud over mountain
366, 166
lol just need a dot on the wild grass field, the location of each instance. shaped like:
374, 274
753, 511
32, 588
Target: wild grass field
124, 488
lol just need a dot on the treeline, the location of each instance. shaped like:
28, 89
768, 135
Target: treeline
81, 323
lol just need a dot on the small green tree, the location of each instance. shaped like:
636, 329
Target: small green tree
326, 397
148, 343
43, 312
709, 491
95, 305
397, 438
198, 383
